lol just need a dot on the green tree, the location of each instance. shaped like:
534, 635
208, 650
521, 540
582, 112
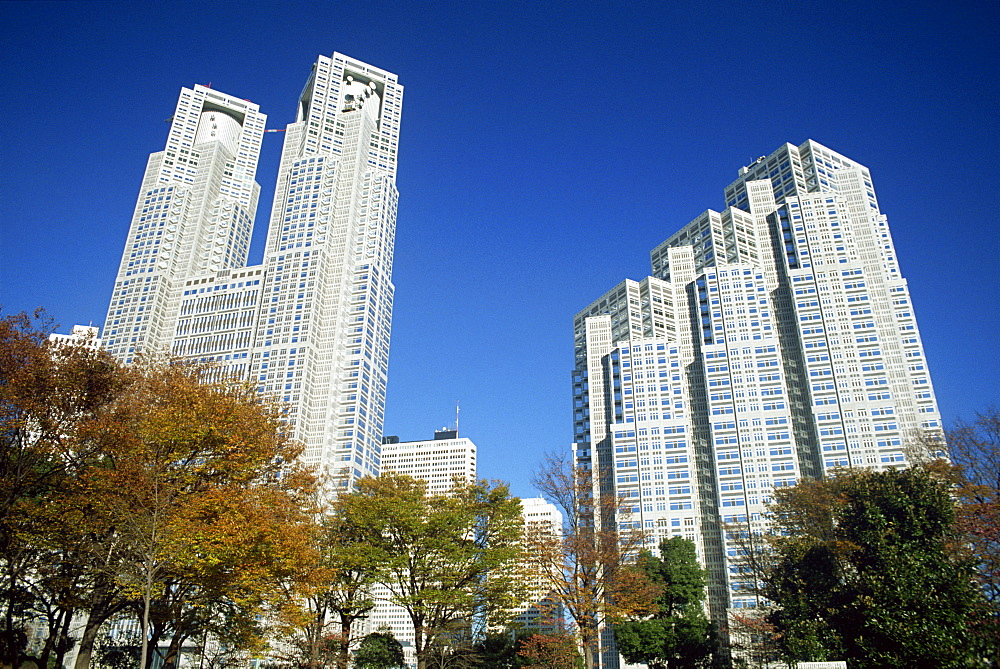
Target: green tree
340, 594
379, 650
444, 558
499, 650
868, 570
677, 634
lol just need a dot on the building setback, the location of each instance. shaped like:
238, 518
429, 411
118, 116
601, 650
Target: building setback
775, 340
310, 324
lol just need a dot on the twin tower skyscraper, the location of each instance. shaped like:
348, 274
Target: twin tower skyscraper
311, 324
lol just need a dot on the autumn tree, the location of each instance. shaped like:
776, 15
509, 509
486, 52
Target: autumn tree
677, 634
49, 397
200, 486
588, 565
138, 485
556, 650
868, 571
444, 557
974, 449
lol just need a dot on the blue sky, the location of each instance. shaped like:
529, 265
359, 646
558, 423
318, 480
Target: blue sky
545, 149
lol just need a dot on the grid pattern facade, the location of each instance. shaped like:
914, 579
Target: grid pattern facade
194, 214
778, 341
439, 462
310, 324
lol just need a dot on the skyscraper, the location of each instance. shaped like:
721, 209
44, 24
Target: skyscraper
194, 215
775, 340
310, 324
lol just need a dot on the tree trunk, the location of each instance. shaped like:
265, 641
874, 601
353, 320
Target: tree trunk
64, 642
103, 605
87, 641
418, 644
344, 652
9, 656
174, 650
146, 596
156, 629
591, 646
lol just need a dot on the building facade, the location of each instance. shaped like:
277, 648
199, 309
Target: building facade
310, 324
541, 611
441, 462
774, 340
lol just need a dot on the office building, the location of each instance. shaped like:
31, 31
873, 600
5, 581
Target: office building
441, 462
194, 215
774, 340
541, 611
85, 336
311, 323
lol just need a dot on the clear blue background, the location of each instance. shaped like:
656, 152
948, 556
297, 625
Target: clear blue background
546, 148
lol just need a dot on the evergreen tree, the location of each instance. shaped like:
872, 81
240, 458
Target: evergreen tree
881, 582
677, 634
379, 650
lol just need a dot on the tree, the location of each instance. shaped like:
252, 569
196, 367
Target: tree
868, 569
49, 398
444, 557
974, 449
200, 486
379, 650
587, 566
677, 634
499, 650
340, 592
557, 650
141, 484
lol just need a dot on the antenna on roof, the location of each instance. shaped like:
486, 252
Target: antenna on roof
456, 418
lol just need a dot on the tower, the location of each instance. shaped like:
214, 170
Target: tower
775, 340
194, 214
322, 341
310, 325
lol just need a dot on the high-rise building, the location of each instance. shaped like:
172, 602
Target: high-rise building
310, 324
441, 462
775, 340
194, 215
541, 611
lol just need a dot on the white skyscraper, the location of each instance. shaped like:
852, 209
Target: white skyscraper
194, 214
311, 324
774, 341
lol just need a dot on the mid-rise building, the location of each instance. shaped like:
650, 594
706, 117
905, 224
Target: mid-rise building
541, 611
775, 340
441, 462
81, 335
310, 324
